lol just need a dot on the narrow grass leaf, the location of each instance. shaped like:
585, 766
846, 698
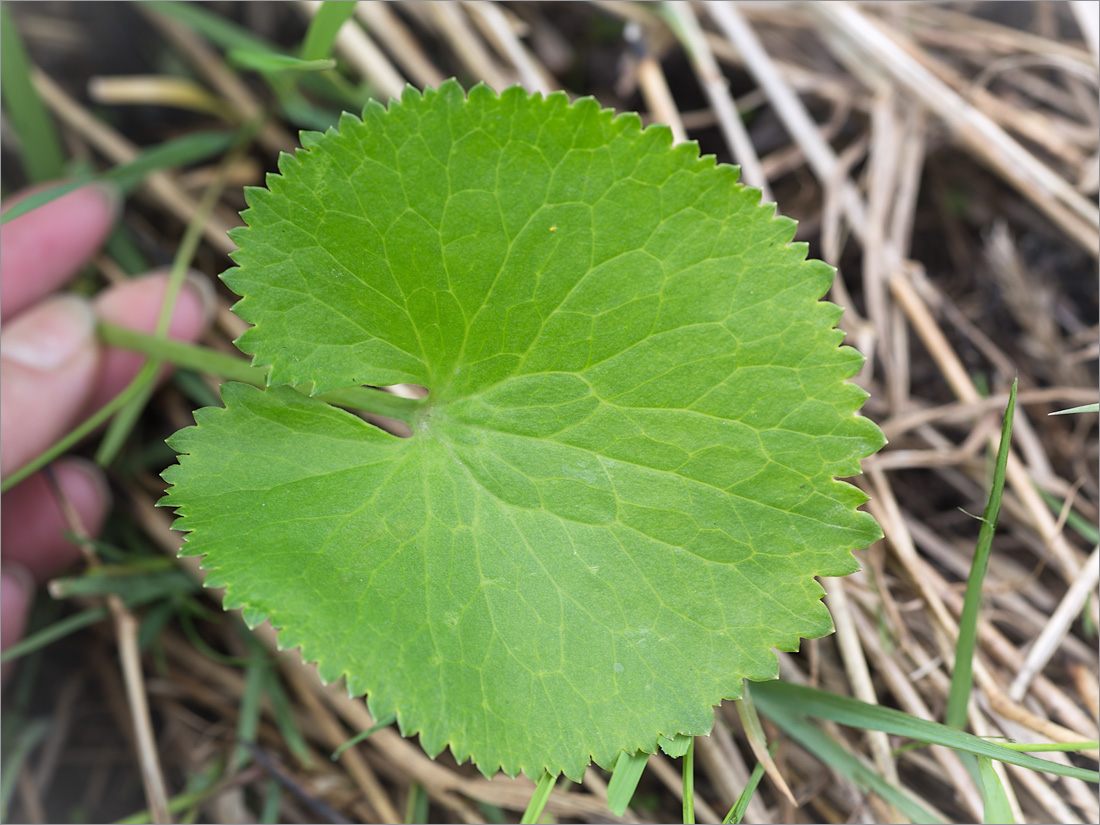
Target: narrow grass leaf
624, 780
154, 621
998, 810
492, 813
1052, 747
1086, 408
248, 714
1085, 528
385, 722
962, 676
134, 587
782, 699
52, 633
689, 784
538, 800
213, 27
741, 804
181, 151
195, 389
141, 387
44, 196
178, 152
416, 805
324, 27
39, 145
746, 710
284, 719
14, 758
272, 801
274, 62
122, 247
837, 757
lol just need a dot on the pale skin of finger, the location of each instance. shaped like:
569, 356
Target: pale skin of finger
137, 305
16, 592
37, 407
40, 251
50, 364
55, 372
36, 521
33, 521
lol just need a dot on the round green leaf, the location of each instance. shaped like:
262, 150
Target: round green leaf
623, 482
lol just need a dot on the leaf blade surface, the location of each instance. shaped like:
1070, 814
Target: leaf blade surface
613, 505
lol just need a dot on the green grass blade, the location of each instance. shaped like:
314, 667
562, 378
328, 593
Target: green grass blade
142, 386
272, 801
1085, 528
178, 152
273, 62
213, 27
284, 719
689, 784
43, 197
624, 780
39, 144
741, 804
416, 805
778, 699
58, 630
997, 807
962, 676
837, 757
134, 587
758, 741
1086, 408
538, 800
324, 27
176, 805
1052, 747
14, 758
385, 722
248, 713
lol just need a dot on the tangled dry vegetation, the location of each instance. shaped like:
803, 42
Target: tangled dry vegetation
943, 155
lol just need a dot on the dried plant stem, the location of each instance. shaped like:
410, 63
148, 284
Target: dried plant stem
363, 53
167, 191
1045, 189
335, 736
491, 20
400, 42
126, 630
453, 24
686, 26
859, 675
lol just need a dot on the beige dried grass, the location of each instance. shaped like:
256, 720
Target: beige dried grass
907, 85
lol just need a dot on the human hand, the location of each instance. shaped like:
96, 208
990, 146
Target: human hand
55, 373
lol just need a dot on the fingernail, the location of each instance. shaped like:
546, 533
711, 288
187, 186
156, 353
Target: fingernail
16, 595
111, 195
203, 289
17, 582
90, 471
51, 335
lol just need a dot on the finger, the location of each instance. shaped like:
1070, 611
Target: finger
33, 526
44, 248
50, 362
136, 304
16, 593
